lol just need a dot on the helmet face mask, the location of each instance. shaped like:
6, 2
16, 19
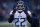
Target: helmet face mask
20, 6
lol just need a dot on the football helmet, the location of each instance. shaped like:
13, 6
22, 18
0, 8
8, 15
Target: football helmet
20, 6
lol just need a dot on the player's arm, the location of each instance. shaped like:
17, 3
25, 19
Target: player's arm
30, 16
11, 18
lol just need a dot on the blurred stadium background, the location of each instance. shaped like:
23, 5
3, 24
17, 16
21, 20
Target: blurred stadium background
7, 5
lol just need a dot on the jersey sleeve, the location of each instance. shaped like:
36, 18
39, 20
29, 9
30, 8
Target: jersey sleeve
11, 18
11, 12
29, 13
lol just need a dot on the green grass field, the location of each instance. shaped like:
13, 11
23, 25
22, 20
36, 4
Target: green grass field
6, 24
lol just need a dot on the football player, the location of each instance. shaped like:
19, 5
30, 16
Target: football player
20, 15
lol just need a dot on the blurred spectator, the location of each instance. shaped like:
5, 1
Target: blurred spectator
35, 20
5, 6
1, 15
